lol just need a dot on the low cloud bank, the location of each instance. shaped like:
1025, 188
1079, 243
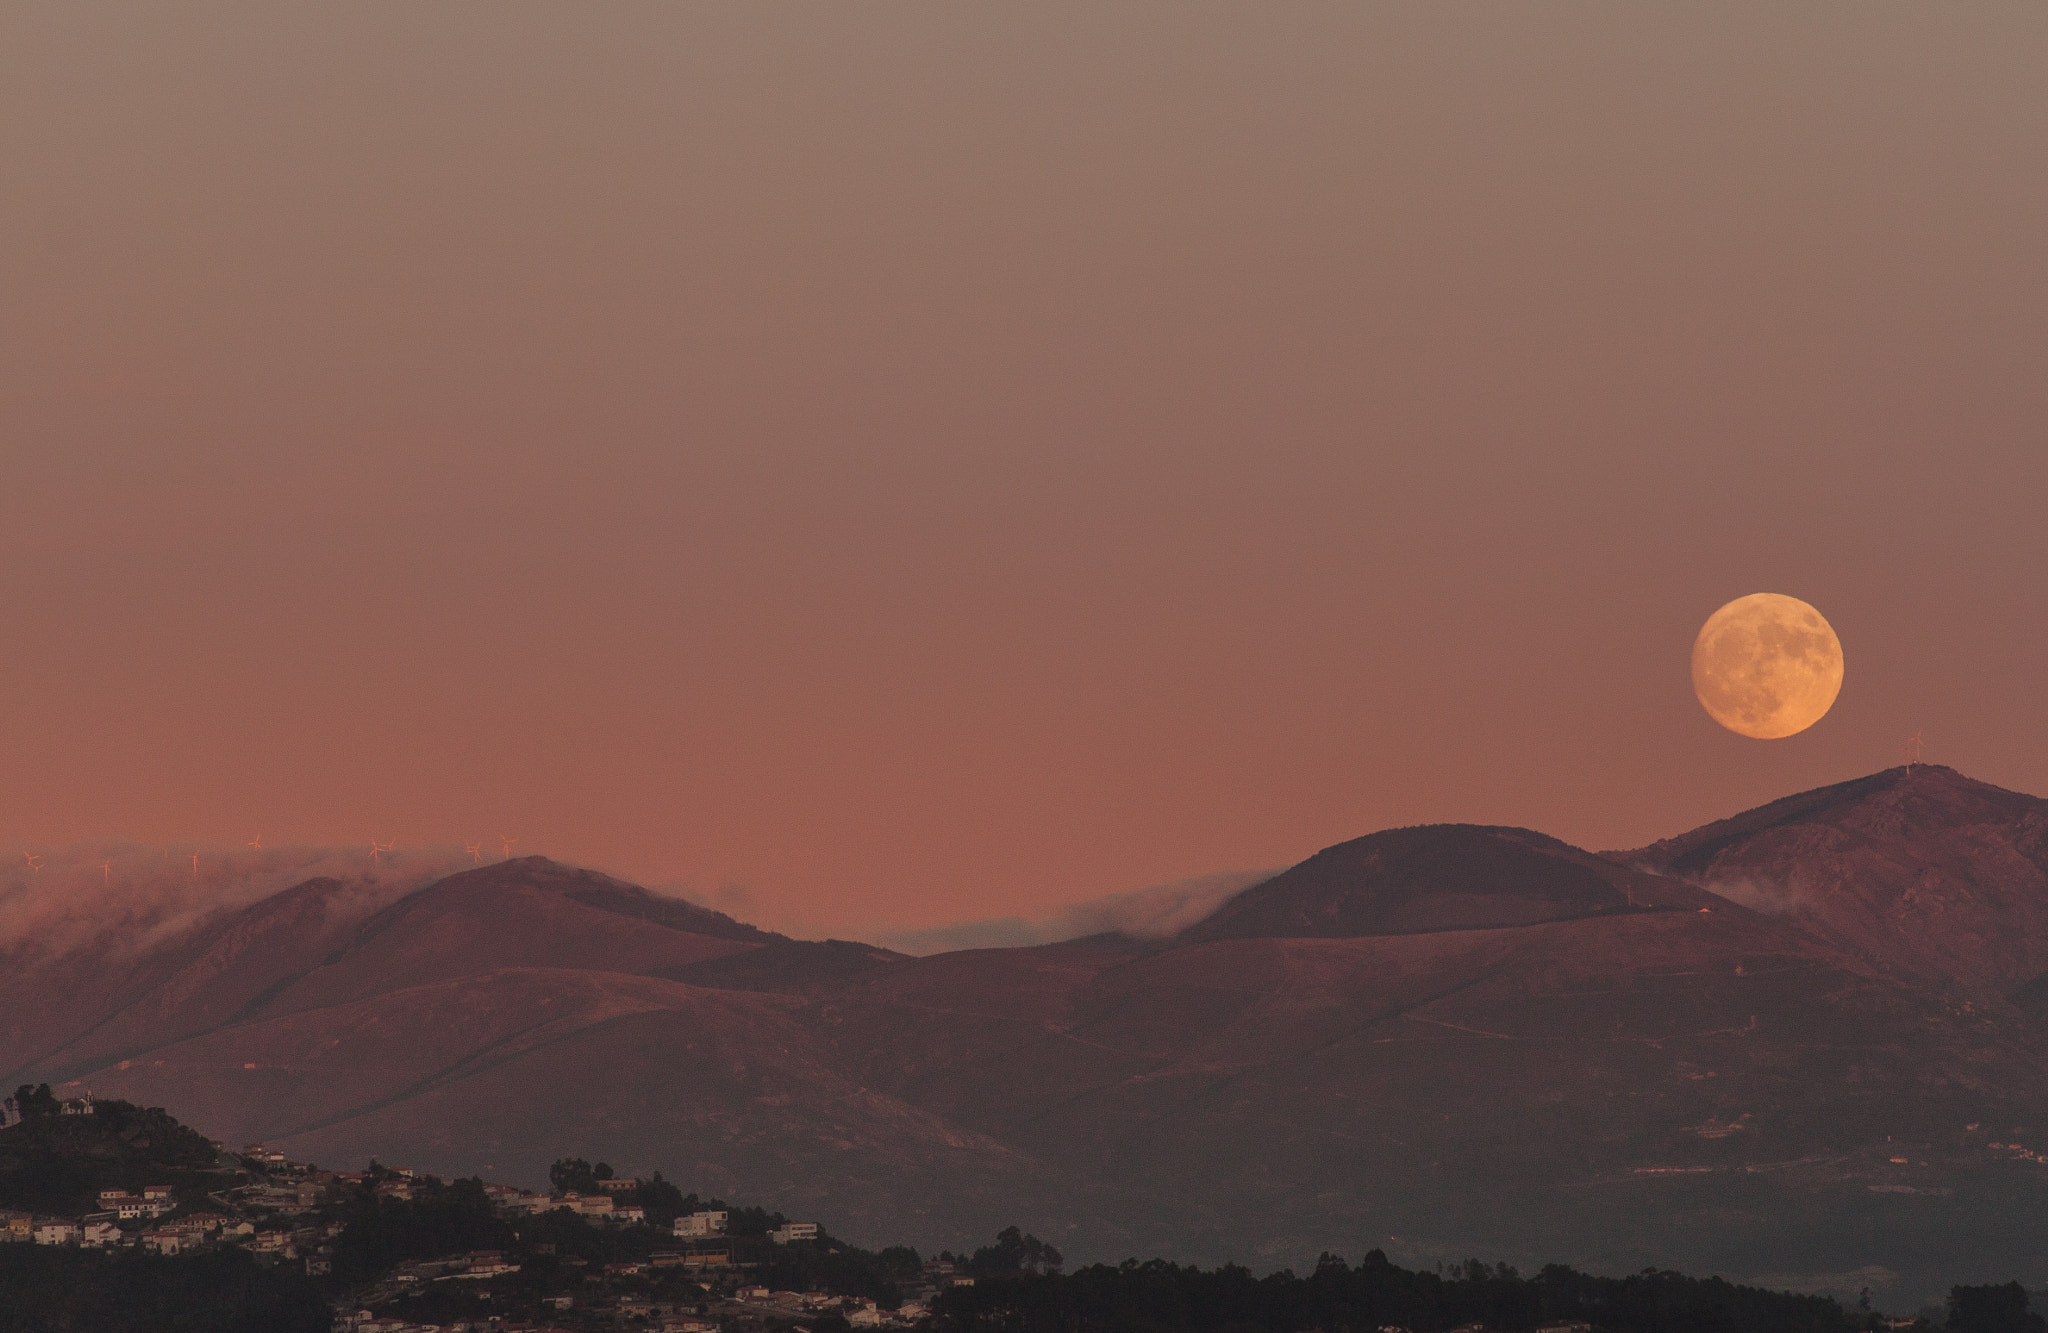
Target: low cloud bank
1770, 899
127, 897
1150, 913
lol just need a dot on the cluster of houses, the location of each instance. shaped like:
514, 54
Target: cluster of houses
103, 1228
267, 1216
668, 1316
603, 1206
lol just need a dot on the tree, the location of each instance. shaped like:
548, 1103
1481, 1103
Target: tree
1015, 1252
663, 1201
1992, 1309
573, 1175
35, 1102
900, 1263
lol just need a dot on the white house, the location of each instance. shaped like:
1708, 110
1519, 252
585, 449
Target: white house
56, 1233
783, 1235
702, 1224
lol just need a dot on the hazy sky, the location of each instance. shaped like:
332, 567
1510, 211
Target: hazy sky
914, 462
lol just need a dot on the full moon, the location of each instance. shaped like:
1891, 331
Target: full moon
1767, 666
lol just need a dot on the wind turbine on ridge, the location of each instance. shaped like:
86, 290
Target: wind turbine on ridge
35, 863
377, 848
508, 845
256, 842
476, 852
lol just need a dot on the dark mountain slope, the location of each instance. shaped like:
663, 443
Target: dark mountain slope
1923, 872
785, 965
1526, 1085
325, 942
114, 994
528, 912
226, 966
1437, 877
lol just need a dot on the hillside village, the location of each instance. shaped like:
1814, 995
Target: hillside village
122, 1219
617, 1252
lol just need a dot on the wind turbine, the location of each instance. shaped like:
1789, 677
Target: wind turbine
378, 848
476, 852
107, 871
1914, 750
35, 863
508, 845
256, 842
195, 865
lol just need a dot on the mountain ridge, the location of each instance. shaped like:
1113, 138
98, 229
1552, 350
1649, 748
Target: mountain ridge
1451, 1039
1919, 870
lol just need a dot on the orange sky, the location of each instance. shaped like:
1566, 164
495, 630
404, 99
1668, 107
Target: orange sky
892, 464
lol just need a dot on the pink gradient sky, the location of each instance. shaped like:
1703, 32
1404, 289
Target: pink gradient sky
918, 462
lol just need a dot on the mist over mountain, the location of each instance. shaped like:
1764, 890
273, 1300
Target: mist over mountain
1149, 913
1766, 1048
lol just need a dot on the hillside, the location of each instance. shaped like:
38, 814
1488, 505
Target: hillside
1439, 877
59, 1163
1444, 1041
1922, 872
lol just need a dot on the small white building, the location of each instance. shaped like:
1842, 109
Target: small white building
130, 1207
56, 1233
788, 1232
702, 1224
